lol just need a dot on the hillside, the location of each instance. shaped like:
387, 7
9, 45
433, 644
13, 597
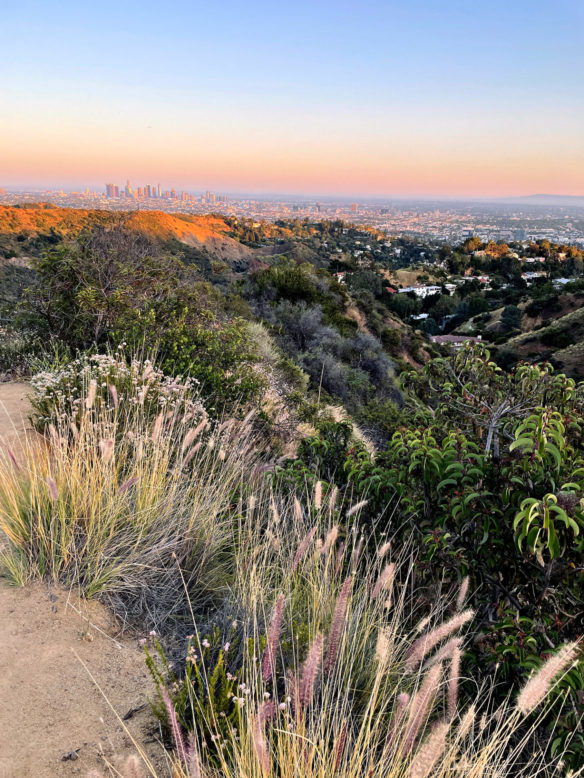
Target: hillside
25, 224
562, 341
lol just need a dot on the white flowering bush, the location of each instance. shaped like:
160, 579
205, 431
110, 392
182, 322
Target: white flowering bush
101, 383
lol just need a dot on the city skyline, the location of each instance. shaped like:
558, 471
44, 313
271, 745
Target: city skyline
427, 99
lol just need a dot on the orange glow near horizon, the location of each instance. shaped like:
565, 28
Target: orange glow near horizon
342, 156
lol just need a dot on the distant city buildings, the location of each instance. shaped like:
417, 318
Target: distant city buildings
151, 192
437, 222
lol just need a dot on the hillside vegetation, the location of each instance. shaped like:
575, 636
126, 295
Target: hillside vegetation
350, 550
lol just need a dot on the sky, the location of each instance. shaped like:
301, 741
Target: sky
442, 98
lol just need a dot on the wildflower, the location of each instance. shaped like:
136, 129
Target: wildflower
152, 633
206, 643
226, 647
282, 706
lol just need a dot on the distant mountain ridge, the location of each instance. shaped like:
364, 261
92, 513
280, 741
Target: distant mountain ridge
546, 199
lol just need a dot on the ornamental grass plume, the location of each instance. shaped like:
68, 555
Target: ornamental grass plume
175, 728
356, 508
193, 757
266, 713
310, 670
91, 393
385, 578
338, 625
430, 751
106, 448
538, 686
330, 540
193, 434
318, 495
114, 393
340, 746
191, 453
466, 723
53, 491
303, 548
421, 706
269, 658
333, 498
453, 679
157, 428
462, 593
128, 484
424, 644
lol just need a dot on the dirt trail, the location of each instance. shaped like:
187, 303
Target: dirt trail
49, 706
14, 410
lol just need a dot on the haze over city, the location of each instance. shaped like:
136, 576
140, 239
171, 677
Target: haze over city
425, 99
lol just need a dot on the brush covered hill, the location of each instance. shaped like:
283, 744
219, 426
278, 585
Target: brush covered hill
27, 230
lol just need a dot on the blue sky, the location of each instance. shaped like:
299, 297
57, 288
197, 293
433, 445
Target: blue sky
335, 96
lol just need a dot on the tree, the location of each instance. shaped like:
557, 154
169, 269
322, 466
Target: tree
88, 287
511, 318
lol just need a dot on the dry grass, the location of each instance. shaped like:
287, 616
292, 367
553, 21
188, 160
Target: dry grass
351, 681
114, 504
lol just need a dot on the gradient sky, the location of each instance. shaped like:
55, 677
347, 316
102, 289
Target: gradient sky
420, 97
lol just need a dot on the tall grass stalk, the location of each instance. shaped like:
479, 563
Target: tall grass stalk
113, 507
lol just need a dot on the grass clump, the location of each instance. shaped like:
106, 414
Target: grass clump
321, 663
122, 493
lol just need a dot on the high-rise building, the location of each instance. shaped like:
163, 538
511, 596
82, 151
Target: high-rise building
354, 207
159, 194
109, 190
128, 189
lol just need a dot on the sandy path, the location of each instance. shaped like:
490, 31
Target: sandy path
14, 410
49, 705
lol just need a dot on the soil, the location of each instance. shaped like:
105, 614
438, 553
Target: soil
14, 410
54, 721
